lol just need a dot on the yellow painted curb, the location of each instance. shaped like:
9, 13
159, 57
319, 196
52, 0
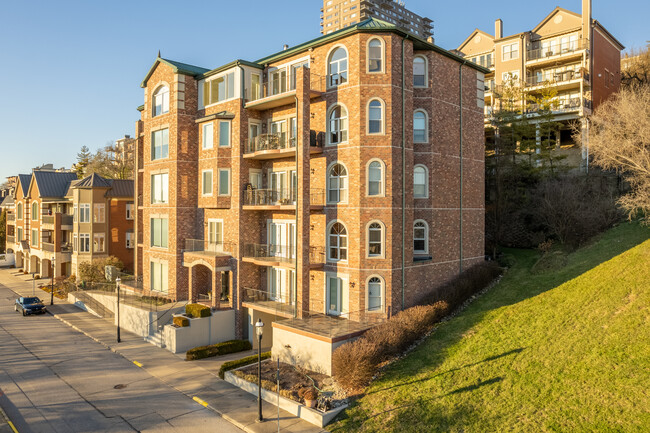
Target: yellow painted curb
12, 426
199, 401
137, 363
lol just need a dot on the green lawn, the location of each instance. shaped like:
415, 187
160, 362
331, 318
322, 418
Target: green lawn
566, 351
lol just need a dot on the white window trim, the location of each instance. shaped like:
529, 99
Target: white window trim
426, 125
207, 232
382, 190
382, 308
327, 66
151, 240
327, 243
327, 185
219, 182
328, 130
503, 52
345, 302
151, 147
426, 183
383, 117
383, 55
126, 211
81, 237
383, 240
160, 262
229, 123
34, 214
223, 74
127, 244
151, 199
203, 136
99, 235
426, 238
211, 184
153, 99
426, 73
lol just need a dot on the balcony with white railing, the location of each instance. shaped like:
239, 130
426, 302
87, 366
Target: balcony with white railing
280, 90
555, 53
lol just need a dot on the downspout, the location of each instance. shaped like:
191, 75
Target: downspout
403, 175
295, 274
460, 103
243, 86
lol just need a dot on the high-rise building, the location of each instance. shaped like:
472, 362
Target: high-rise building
338, 14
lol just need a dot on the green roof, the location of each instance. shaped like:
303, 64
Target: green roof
231, 65
177, 67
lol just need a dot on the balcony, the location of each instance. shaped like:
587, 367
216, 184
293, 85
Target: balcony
11, 217
279, 145
49, 247
566, 106
281, 90
11, 240
47, 220
202, 246
555, 53
273, 199
558, 80
273, 303
66, 222
270, 255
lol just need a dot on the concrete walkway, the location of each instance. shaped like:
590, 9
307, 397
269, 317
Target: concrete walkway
196, 379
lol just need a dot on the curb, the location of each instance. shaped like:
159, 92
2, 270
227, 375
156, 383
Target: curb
4, 416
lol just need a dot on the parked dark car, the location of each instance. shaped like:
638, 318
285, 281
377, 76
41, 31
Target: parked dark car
29, 306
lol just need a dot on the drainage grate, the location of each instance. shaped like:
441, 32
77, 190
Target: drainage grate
120, 386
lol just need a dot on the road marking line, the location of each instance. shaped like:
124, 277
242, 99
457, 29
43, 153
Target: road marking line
199, 401
137, 363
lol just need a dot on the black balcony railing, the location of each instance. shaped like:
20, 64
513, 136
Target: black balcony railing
281, 141
271, 252
66, 220
269, 197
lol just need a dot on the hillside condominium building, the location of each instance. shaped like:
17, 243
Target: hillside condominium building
568, 52
321, 188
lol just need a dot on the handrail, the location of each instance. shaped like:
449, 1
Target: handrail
277, 302
283, 82
556, 50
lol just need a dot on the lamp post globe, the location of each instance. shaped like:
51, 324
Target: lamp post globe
259, 330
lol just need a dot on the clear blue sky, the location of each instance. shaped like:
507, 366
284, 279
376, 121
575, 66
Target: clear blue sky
71, 69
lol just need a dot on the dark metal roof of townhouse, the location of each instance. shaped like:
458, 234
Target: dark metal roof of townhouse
121, 188
177, 67
25, 179
53, 183
93, 181
8, 201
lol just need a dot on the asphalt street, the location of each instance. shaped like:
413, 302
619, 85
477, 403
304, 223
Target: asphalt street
55, 379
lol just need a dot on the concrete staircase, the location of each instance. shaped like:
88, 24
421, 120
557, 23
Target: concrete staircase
156, 338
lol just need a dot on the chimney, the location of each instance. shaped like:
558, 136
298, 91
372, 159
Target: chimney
286, 47
498, 29
586, 20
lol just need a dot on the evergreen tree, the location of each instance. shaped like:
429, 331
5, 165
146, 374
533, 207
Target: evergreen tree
83, 159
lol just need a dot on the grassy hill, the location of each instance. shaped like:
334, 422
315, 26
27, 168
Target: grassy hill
561, 350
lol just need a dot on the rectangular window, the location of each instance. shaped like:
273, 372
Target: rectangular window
35, 238
219, 89
130, 240
159, 277
75, 246
255, 87
19, 234
206, 182
129, 210
224, 133
84, 213
99, 242
215, 232
84, 243
159, 232
159, 144
510, 51
99, 213
207, 136
75, 212
160, 188
224, 181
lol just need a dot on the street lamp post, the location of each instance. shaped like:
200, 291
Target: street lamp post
52, 291
259, 329
118, 280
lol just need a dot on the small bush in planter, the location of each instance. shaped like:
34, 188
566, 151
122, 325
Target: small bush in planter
181, 321
310, 396
37, 277
197, 310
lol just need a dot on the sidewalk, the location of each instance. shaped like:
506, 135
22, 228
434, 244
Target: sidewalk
196, 379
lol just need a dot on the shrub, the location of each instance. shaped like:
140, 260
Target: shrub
181, 321
354, 364
94, 272
310, 394
37, 277
224, 348
197, 310
231, 365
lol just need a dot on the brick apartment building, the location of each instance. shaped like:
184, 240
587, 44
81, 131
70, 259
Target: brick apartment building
569, 52
321, 181
55, 217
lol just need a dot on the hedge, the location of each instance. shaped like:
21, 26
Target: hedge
224, 348
198, 310
181, 321
231, 365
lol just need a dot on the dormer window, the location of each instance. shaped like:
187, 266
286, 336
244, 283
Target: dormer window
161, 101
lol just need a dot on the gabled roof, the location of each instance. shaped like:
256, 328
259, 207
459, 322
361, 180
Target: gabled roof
232, 65
8, 201
471, 36
177, 67
122, 188
553, 12
25, 180
53, 183
92, 181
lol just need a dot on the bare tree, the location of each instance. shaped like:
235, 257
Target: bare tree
113, 162
635, 68
619, 139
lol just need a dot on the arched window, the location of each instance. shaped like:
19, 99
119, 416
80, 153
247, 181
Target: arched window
338, 125
420, 130
420, 181
419, 72
35, 211
375, 117
375, 178
337, 242
420, 237
337, 184
375, 293
19, 211
338, 67
161, 101
375, 55
375, 239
